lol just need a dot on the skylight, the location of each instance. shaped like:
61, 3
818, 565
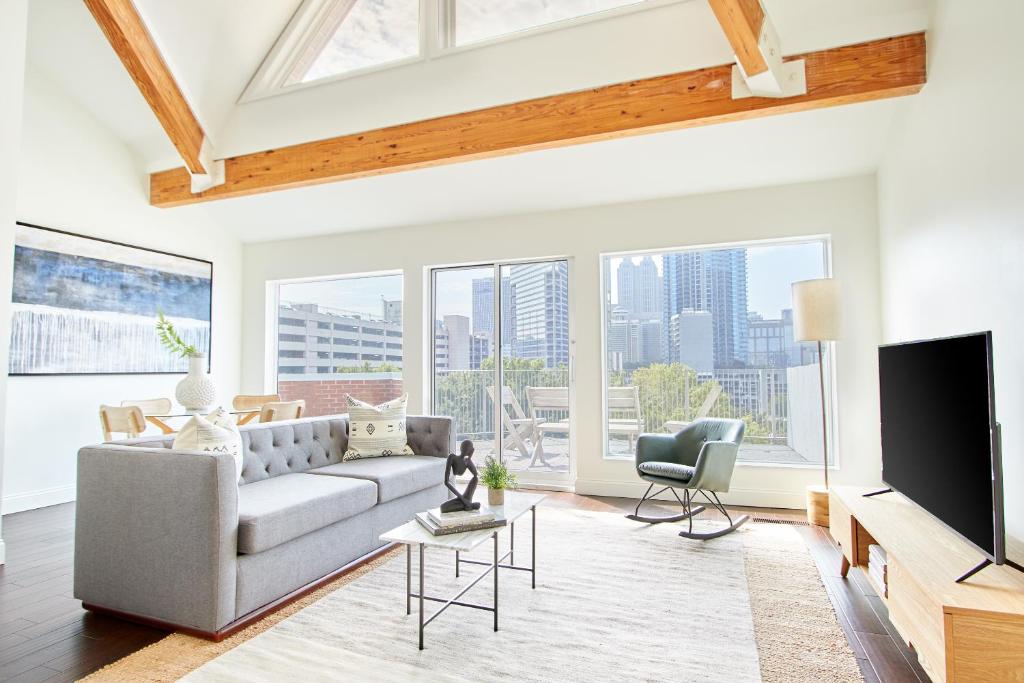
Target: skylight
359, 34
479, 20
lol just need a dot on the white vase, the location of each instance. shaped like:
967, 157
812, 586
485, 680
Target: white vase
196, 391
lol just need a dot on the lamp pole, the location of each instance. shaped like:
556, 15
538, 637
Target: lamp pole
824, 418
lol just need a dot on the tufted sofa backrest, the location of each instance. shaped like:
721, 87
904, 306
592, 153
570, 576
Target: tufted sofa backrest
275, 448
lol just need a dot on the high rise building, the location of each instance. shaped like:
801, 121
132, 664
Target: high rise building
637, 288
392, 310
483, 305
483, 308
713, 280
480, 348
771, 344
631, 342
440, 347
691, 340
625, 276
540, 301
458, 341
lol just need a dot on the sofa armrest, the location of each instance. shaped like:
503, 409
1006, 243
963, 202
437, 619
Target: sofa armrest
715, 464
156, 534
430, 435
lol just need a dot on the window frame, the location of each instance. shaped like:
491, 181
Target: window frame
831, 398
436, 40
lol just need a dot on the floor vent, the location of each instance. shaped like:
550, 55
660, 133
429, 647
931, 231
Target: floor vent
769, 520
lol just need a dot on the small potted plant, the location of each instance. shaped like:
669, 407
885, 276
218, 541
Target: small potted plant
196, 392
496, 478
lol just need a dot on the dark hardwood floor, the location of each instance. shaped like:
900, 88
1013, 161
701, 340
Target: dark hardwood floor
45, 635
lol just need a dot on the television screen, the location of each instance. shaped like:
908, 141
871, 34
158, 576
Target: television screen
938, 418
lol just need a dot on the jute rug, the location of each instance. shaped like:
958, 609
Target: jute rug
615, 600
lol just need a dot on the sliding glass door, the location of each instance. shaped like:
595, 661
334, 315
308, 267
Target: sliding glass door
518, 409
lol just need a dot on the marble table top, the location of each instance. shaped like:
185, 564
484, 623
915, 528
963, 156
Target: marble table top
516, 505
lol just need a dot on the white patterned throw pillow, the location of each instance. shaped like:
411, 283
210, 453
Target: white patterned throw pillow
215, 433
376, 431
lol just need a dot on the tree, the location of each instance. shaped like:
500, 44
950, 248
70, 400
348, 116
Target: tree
675, 392
366, 367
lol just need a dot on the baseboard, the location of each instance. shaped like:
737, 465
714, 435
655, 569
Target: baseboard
30, 500
792, 500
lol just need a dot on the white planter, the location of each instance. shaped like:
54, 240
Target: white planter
196, 391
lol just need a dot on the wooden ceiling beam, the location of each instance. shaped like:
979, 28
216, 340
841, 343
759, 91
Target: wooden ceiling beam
127, 33
879, 69
741, 21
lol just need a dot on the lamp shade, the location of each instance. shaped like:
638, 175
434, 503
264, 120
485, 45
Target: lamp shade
816, 310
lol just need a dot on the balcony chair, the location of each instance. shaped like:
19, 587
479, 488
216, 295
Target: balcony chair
698, 459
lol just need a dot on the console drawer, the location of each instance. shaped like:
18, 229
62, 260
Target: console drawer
919, 620
841, 527
985, 647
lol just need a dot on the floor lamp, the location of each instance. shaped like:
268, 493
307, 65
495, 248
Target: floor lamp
816, 319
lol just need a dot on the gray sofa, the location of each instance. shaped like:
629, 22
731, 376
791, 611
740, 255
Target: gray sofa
172, 538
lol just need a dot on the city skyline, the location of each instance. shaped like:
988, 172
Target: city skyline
774, 266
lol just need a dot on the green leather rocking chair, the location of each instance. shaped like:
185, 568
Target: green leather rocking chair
698, 459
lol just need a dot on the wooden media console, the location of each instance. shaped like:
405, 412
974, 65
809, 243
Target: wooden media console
970, 631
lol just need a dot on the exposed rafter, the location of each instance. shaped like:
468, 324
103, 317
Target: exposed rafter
127, 33
890, 67
759, 62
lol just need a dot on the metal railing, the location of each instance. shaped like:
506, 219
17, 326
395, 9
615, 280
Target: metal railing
668, 393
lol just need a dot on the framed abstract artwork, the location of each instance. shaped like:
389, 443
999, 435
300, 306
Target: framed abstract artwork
85, 306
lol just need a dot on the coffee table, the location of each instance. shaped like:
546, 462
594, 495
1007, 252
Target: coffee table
413, 534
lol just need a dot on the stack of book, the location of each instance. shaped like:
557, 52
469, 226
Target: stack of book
442, 523
878, 569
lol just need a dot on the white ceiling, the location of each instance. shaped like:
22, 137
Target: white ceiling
214, 47
211, 58
826, 143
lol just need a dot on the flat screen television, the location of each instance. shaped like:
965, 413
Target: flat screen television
940, 439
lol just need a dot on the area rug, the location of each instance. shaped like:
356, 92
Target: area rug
615, 600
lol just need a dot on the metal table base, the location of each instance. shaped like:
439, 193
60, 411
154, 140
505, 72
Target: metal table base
492, 566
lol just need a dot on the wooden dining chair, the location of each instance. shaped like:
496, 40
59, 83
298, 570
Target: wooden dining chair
282, 410
253, 403
150, 406
126, 420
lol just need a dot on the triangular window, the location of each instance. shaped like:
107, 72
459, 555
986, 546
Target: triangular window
353, 35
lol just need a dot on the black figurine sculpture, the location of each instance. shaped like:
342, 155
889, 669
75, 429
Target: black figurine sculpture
459, 464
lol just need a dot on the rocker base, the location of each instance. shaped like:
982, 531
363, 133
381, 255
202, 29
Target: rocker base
742, 519
670, 518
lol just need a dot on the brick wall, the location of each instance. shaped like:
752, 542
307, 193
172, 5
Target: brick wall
327, 397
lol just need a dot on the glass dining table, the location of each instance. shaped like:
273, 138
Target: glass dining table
160, 420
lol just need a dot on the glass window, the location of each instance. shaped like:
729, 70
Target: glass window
360, 34
477, 20
709, 333
345, 304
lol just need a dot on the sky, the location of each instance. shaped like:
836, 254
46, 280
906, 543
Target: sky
354, 294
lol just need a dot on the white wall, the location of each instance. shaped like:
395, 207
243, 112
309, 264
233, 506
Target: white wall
951, 206
846, 209
76, 175
12, 69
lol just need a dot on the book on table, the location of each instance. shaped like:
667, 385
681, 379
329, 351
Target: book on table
459, 518
427, 522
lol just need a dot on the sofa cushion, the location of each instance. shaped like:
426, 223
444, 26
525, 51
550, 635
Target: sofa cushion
376, 431
394, 477
667, 470
281, 508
